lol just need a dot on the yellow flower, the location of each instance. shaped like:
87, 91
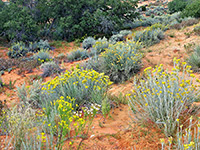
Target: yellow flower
146, 104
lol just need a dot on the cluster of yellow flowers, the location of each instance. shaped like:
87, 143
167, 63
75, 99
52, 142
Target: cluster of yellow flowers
85, 78
123, 55
42, 137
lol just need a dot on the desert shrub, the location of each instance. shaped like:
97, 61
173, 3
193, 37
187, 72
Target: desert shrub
163, 97
125, 32
27, 65
19, 122
50, 68
78, 54
24, 64
30, 95
177, 5
88, 42
86, 86
197, 29
32, 47
194, 59
42, 56
187, 138
17, 50
184, 23
120, 61
100, 45
150, 35
20, 49
116, 38
28, 128
148, 21
43, 45
192, 9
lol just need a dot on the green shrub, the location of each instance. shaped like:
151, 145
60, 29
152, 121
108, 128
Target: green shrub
17, 50
86, 86
163, 97
50, 68
78, 54
177, 5
194, 59
48, 18
192, 9
88, 42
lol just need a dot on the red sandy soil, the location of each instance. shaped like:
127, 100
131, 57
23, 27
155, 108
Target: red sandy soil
119, 131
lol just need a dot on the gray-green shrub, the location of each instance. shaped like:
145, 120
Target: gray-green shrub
194, 59
88, 42
163, 97
78, 54
50, 68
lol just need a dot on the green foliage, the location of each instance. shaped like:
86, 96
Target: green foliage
194, 59
18, 22
192, 9
1, 83
177, 5
86, 86
163, 97
105, 107
50, 68
78, 54
28, 21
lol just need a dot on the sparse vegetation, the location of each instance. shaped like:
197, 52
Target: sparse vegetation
55, 108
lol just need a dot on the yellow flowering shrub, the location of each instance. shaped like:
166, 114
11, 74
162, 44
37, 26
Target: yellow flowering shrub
121, 60
83, 85
62, 118
164, 95
151, 35
187, 138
